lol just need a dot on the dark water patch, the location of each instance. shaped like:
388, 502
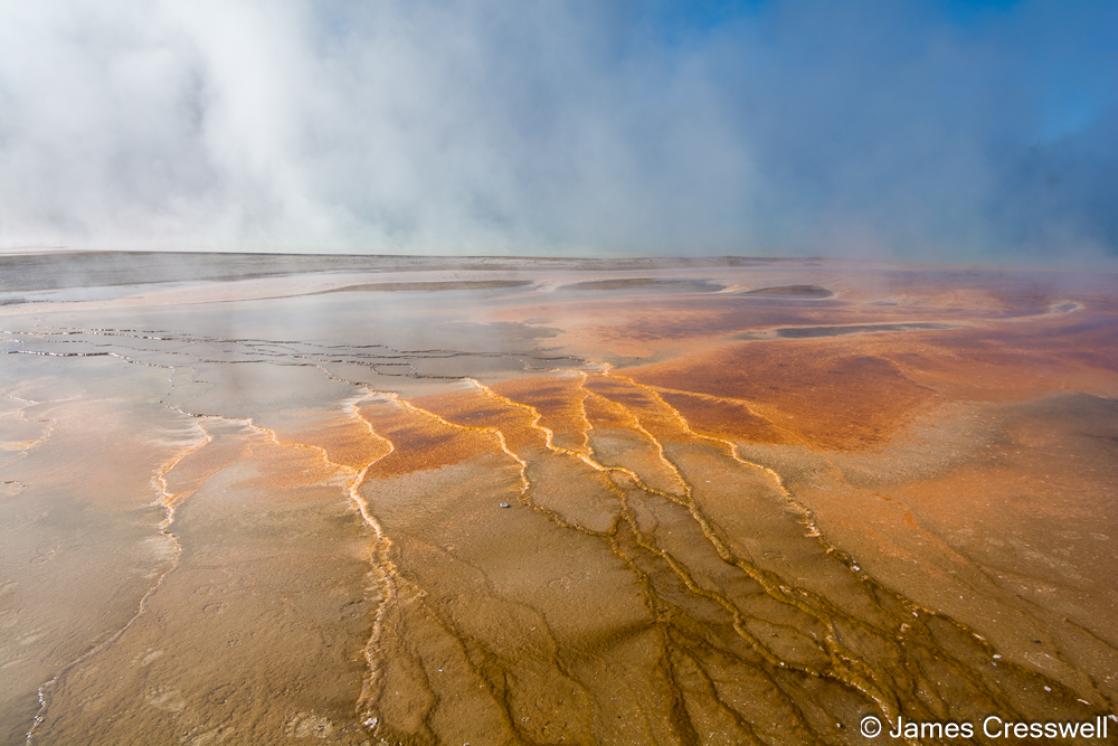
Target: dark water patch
807, 332
426, 287
636, 283
791, 291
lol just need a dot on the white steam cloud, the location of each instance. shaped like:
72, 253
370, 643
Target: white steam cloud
577, 127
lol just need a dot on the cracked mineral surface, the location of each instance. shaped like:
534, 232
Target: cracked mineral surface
398, 500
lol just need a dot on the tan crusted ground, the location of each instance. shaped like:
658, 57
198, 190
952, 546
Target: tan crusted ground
742, 504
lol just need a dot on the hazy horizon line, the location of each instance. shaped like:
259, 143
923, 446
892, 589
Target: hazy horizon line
995, 262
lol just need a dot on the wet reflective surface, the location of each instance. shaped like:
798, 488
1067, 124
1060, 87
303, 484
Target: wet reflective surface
538, 501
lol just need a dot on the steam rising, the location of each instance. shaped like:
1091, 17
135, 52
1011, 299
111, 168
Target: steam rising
871, 128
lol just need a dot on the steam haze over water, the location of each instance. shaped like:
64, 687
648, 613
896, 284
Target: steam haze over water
931, 130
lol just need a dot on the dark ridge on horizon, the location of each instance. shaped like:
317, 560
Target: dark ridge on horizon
58, 270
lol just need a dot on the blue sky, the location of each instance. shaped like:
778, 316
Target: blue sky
941, 130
